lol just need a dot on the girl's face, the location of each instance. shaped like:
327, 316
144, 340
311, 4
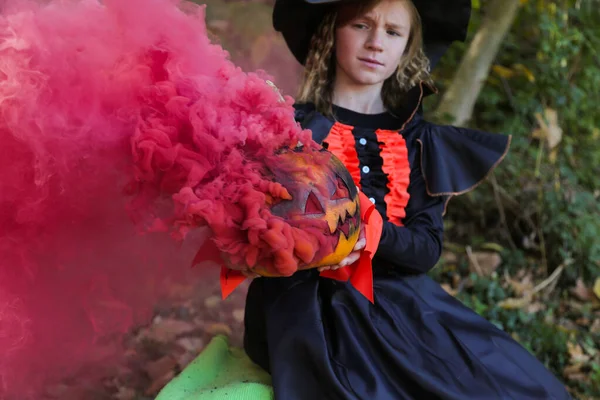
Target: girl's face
369, 48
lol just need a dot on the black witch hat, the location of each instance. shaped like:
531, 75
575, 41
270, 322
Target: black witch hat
444, 21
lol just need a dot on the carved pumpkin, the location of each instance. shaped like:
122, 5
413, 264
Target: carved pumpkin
322, 191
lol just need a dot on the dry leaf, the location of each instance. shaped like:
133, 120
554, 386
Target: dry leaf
576, 353
484, 263
574, 373
238, 315
580, 291
448, 289
535, 307
525, 285
212, 301
504, 72
595, 328
521, 68
549, 130
514, 303
449, 257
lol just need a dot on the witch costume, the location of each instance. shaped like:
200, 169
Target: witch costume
320, 338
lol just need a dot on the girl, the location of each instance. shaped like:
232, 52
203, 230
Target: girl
366, 75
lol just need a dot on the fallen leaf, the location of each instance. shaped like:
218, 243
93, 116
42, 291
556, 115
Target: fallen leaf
502, 71
548, 130
449, 257
574, 373
580, 291
535, 307
515, 303
521, 287
576, 353
238, 315
521, 68
597, 288
583, 321
448, 289
492, 246
595, 328
212, 301
484, 263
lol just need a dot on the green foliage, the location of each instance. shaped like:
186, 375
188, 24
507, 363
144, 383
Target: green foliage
550, 196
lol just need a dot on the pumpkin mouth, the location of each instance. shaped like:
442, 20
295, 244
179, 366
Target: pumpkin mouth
346, 224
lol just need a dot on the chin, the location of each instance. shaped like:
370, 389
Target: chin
368, 78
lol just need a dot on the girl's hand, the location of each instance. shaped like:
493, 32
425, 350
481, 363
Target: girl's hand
352, 257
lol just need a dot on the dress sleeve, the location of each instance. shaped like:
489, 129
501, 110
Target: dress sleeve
451, 161
416, 246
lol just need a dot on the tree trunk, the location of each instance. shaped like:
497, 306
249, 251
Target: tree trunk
459, 100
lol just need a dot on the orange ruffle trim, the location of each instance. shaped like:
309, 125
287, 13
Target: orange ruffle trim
395, 164
340, 142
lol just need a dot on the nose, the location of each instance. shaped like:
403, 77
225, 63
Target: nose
375, 41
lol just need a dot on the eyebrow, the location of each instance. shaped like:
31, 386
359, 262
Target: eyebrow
388, 25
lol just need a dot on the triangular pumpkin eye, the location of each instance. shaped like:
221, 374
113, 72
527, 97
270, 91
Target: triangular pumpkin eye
313, 206
341, 190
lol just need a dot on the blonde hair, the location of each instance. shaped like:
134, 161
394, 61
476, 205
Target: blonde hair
319, 73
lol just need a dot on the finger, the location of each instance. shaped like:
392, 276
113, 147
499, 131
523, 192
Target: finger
351, 259
360, 244
363, 232
326, 268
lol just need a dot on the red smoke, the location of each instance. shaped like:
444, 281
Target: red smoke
102, 103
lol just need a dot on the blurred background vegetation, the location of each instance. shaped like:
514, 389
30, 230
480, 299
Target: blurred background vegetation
523, 249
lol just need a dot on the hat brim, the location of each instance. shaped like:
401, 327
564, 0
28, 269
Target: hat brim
444, 22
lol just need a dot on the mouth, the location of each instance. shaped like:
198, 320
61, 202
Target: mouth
347, 224
371, 62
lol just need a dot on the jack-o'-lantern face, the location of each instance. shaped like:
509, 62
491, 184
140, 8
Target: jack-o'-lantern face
323, 195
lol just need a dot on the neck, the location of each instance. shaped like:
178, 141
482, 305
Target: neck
364, 99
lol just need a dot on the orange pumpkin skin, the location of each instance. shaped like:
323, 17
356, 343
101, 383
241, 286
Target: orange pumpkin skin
321, 188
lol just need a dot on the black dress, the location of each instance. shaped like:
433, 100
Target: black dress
321, 339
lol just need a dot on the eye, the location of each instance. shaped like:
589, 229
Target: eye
360, 26
394, 33
313, 205
341, 190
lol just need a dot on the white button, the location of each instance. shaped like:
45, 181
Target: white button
372, 200
362, 141
366, 169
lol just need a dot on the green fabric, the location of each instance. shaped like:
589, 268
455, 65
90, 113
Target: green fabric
220, 372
